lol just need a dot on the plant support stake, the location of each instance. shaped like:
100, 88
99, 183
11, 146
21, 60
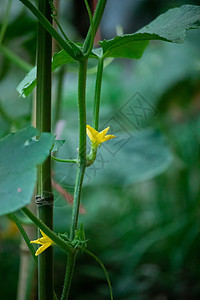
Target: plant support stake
44, 198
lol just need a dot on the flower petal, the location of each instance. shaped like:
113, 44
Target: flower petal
103, 132
43, 234
92, 133
42, 248
38, 241
99, 137
109, 137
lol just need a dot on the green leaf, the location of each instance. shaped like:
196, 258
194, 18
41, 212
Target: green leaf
128, 46
19, 155
59, 59
26, 86
165, 27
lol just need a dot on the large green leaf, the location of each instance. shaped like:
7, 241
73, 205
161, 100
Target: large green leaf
19, 155
170, 26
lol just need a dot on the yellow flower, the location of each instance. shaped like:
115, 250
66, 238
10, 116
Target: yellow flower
98, 137
45, 241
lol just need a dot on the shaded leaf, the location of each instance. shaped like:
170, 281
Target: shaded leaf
165, 27
19, 155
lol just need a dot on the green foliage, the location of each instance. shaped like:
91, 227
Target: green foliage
165, 28
133, 45
19, 155
26, 86
148, 228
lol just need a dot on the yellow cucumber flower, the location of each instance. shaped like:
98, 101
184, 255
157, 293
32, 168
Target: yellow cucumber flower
45, 241
98, 137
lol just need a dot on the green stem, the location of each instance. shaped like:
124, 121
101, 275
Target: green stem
60, 27
82, 145
16, 220
87, 46
74, 161
5, 21
18, 61
52, 235
92, 36
95, 120
82, 111
107, 62
68, 275
80, 173
76, 200
92, 155
71, 48
97, 96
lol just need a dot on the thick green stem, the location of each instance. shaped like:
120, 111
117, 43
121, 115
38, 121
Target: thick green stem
87, 46
43, 124
52, 235
97, 96
68, 275
71, 48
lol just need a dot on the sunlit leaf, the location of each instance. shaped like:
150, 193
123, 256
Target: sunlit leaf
170, 26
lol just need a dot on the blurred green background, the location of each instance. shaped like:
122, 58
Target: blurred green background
141, 198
